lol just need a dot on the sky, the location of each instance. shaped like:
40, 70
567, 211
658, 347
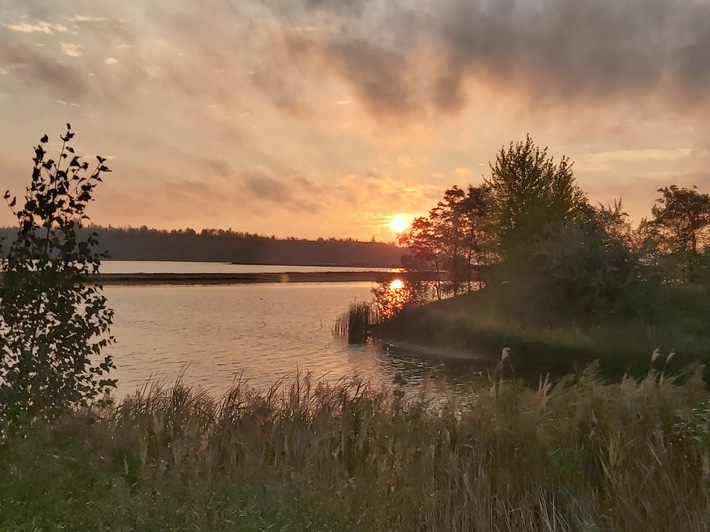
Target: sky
312, 118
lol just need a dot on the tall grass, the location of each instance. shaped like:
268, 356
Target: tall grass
356, 324
576, 455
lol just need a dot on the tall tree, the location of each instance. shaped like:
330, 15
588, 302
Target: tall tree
532, 194
452, 241
477, 232
425, 252
448, 220
683, 216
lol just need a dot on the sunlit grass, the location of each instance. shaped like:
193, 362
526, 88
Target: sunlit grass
577, 455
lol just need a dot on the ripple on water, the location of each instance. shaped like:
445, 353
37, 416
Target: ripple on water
213, 334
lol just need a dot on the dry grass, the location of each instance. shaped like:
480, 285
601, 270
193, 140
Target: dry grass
577, 455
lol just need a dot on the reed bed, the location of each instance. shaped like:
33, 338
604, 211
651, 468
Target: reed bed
308, 455
355, 325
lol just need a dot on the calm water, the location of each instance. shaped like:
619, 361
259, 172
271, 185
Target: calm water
131, 266
212, 334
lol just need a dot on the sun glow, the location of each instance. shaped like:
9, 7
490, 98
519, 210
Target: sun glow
399, 224
396, 284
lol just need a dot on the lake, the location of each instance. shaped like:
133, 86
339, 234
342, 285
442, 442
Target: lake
212, 334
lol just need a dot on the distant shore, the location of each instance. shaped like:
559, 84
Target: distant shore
249, 278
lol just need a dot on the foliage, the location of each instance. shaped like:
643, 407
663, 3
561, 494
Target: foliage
234, 246
555, 276
391, 297
453, 241
425, 252
512, 222
531, 196
576, 271
462, 230
54, 322
306, 455
683, 217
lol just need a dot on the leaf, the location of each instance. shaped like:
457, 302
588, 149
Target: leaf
44, 139
13, 202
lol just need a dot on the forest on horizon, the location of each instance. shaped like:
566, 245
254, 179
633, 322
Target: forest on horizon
219, 245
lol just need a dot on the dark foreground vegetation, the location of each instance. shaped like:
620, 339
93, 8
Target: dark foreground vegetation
579, 455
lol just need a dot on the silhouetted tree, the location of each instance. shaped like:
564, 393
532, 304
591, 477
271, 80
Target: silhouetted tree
425, 252
477, 233
54, 323
532, 195
449, 224
683, 217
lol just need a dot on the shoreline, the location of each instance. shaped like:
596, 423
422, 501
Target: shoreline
399, 347
251, 278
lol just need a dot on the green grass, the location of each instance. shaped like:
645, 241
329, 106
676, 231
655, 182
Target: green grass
646, 317
580, 455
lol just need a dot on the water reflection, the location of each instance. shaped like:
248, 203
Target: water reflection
261, 332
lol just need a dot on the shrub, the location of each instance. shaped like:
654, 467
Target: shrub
54, 322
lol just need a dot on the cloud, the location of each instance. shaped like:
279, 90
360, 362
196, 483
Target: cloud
292, 194
87, 19
410, 61
416, 59
39, 26
70, 49
38, 67
380, 77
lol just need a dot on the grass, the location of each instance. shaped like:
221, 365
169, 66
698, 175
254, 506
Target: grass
647, 317
306, 455
356, 324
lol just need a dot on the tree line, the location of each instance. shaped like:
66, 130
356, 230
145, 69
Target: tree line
530, 233
235, 246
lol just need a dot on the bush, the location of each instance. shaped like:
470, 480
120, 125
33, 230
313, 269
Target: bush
54, 322
577, 271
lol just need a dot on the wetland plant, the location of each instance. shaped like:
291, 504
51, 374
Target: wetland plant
355, 325
574, 455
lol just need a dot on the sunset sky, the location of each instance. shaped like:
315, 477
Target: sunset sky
326, 118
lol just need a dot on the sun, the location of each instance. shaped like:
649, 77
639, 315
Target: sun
397, 284
398, 224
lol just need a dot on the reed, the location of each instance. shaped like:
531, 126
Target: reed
305, 454
356, 324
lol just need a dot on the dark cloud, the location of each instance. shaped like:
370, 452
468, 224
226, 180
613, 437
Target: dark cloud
37, 67
555, 48
268, 189
405, 62
380, 77
294, 194
306, 9
285, 92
